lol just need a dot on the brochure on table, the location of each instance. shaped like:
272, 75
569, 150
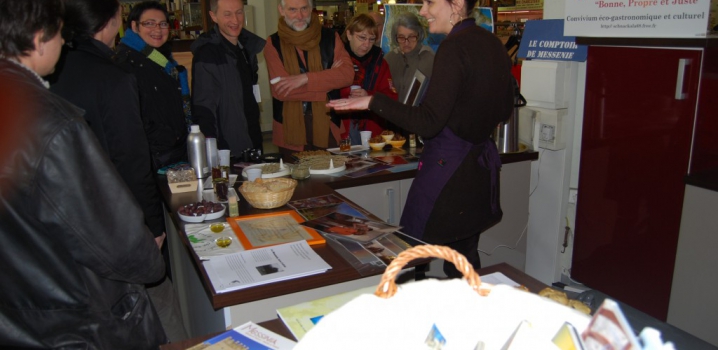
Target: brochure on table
203, 240
315, 207
264, 265
248, 336
351, 227
369, 257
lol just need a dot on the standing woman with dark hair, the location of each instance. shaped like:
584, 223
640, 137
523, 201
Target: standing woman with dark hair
87, 77
163, 84
455, 194
74, 267
371, 74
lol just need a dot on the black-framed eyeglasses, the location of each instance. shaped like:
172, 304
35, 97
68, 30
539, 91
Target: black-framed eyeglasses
411, 38
153, 24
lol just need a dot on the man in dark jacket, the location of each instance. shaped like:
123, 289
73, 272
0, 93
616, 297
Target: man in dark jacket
224, 80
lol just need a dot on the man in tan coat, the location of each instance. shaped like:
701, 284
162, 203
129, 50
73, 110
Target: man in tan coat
307, 64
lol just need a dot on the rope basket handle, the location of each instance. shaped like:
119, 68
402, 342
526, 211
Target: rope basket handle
387, 286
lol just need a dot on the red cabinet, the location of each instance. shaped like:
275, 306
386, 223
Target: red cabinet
639, 113
704, 157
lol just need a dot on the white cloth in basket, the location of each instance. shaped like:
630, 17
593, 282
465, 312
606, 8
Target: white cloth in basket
462, 316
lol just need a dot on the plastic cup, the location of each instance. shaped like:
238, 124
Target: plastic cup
253, 174
365, 136
223, 157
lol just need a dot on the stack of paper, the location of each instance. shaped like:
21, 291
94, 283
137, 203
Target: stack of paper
264, 265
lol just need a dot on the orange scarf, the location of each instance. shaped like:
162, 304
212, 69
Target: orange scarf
293, 116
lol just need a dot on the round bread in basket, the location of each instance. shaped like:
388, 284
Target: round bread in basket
268, 193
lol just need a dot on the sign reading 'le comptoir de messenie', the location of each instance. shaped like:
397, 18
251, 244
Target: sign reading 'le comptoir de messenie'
637, 18
544, 40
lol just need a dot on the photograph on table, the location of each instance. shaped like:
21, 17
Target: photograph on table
351, 227
315, 207
356, 164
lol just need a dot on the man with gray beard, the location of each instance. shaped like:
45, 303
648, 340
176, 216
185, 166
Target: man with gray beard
307, 65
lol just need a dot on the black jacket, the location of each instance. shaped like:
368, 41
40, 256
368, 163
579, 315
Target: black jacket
87, 77
217, 103
75, 251
471, 91
161, 106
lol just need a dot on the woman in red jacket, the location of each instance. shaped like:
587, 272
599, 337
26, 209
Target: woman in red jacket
371, 75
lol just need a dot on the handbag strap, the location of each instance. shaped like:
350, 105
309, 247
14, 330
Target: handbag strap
387, 286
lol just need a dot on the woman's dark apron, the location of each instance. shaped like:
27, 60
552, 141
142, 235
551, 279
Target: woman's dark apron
440, 158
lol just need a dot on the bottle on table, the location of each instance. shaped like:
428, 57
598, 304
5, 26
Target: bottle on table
197, 152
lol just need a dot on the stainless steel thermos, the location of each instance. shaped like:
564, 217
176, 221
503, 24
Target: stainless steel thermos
197, 152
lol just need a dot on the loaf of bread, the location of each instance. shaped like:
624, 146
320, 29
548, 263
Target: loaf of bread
580, 306
561, 298
555, 295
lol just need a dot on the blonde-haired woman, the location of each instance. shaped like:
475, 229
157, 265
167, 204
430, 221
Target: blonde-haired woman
371, 74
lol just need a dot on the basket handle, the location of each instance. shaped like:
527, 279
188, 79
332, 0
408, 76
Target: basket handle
387, 286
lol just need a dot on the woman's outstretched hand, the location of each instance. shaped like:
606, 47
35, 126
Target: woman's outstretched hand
350, 104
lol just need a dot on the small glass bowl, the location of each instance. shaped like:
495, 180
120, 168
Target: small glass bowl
217, 227
300, 172
223, 242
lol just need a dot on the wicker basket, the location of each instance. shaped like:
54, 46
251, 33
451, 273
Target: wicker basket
269, 200
465, 313
387, 286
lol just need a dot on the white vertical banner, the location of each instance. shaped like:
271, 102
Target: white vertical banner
637, 18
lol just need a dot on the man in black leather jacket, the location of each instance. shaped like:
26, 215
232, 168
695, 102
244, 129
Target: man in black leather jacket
75, 251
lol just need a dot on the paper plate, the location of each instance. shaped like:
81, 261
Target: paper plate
328, 171
280, 173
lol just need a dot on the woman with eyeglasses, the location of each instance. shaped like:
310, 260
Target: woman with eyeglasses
163, 84
371, 75
408, 52
455, 193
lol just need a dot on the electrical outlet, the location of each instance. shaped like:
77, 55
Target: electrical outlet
551, 132
547, 133
572, 196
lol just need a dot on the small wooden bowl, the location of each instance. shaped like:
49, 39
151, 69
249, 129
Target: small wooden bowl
397, 143
387, 138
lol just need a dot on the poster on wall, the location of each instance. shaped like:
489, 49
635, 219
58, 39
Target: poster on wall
637, 18
483, 15
544, 40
